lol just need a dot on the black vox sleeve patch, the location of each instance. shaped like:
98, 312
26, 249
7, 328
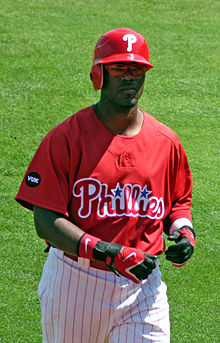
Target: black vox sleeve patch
33, 179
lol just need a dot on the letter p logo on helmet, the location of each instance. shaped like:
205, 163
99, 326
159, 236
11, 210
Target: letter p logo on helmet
131, 39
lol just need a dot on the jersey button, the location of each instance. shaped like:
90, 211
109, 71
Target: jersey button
127, 156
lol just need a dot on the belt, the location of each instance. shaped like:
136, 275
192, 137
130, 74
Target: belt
89, 263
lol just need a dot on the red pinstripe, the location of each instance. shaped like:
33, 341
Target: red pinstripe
74, 311
60, 295
123, 320
84, 308
140, 315
68, 290
152, 327
147, 309
131, 317
52, 307
101, 309
154, 300
147, 306
46, 327
109, 313
47, 314
92, 310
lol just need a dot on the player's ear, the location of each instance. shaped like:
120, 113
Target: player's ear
96, 76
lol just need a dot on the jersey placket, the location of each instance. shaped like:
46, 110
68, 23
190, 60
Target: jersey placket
120, 150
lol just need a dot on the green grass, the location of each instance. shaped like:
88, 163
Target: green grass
46, 54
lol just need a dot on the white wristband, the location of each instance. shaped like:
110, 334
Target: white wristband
178, 223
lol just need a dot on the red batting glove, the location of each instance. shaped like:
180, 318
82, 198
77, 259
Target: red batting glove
86, 246
130, 262
134, 264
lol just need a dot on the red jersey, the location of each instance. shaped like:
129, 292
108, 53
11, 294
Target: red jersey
121, 189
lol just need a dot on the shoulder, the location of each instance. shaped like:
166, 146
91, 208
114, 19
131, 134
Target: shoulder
72, 127
76, 120
159, 129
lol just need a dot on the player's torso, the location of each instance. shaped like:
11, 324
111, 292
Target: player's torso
121, 183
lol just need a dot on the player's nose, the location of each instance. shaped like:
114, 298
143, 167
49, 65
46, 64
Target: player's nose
128, 75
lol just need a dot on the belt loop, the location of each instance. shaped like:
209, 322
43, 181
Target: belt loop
83, 262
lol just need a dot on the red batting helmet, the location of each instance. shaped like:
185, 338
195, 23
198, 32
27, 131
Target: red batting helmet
120, 45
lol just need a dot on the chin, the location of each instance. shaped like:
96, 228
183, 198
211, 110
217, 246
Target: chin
129, 103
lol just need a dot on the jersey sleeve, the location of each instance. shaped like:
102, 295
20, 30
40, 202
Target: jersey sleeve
46, 181
181, 187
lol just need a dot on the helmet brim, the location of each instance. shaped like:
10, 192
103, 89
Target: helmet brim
125, 58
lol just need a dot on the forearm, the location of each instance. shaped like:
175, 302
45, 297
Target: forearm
178, 223
66, 236
57, 230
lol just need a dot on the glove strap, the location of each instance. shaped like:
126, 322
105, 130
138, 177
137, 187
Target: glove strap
187, 231
86, 246
106, 252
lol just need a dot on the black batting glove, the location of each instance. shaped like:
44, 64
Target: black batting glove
181, 252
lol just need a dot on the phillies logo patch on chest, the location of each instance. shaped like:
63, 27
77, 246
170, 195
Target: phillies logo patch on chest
129, 200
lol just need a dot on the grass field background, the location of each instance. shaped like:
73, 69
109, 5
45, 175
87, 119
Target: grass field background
46, 54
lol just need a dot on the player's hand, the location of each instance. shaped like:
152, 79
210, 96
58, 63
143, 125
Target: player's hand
181, 252
134, 264
130, 262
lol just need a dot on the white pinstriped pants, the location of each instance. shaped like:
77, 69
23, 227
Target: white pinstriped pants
80, 304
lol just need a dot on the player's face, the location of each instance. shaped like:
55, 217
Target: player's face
123, 86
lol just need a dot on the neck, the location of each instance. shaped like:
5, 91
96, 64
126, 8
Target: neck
123, 121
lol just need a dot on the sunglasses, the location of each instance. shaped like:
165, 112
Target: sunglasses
120, 69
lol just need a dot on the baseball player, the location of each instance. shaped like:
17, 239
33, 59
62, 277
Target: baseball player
105, 185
